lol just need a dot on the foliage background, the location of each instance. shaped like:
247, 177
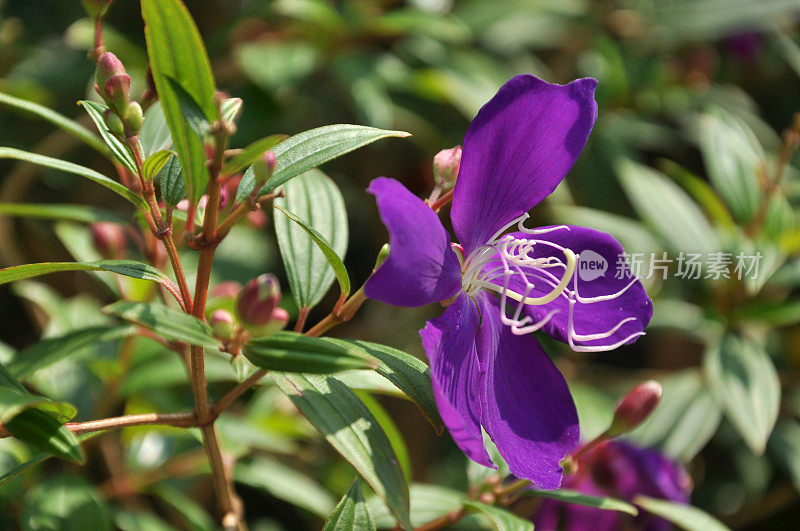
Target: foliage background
426, 66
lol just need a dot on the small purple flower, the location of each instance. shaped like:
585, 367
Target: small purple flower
622, 470
487, 370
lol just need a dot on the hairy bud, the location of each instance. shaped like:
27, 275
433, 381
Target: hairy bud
114, 123
108, 239
264, 167
635, 407
133, 119
108, 65
117, 92
257, 301
446, 164
222, 324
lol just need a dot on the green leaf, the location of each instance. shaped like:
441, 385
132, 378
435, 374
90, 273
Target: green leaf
14, 401
129, 268
194, 515
70, 126
65, 502
67, 212
173, 190
314, 204
171, 324
63, 165
293, 352
312, 148
176, 51
154, 135
286, 484
411, 375
191, 110
702, 192
501, 519
155, 163
54, 349
428, 502
249, 154
684, 516
686, 419
578, 498
744, 380
351, 512
784, 445
272, 64
43, 431
120, 150
733, 157
667, 208
338, 414
230, 109
390, 429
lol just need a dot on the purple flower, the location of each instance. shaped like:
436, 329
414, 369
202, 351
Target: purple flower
487, 370
622, 470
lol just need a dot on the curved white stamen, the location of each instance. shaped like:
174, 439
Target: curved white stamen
506, 257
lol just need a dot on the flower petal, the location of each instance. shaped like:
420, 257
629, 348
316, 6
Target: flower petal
456, 374
422, 267
597, 250
553, 514
645, 471
528, 410
517, 149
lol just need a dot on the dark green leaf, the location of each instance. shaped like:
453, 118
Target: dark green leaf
578, 498
129, 268
67, 212
305, 251
428, 502
14, 401
501, 519
173, 190
249, 154
63, 165
351, 512
293, 352
54, 349
744, 380
408, 373
286, 484
312, 148
120, 150
155, 163
171, 324
43, 431
784, 446
191, 110
684, 516
70, 126
338, 414
176, 51
65, 502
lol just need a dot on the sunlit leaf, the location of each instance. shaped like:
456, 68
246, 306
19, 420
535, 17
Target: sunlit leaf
121, 152
351, 512
171, 324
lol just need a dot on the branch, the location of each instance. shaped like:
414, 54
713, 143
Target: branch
180, 420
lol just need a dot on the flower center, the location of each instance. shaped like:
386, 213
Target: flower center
512, 267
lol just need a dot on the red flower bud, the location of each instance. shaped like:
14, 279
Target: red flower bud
257, 300
222, 324
109, 239
635, 407
118, 92
446, 164
107, 66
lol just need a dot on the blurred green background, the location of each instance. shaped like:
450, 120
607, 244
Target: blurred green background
693, 98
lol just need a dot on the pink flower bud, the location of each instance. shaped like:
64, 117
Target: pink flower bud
107, 66
635, 407
117, 92
279, 320
109, 239
446, 164
257, 300
222, 324
264, 167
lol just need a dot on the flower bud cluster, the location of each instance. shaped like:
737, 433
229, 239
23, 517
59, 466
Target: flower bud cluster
124, 118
